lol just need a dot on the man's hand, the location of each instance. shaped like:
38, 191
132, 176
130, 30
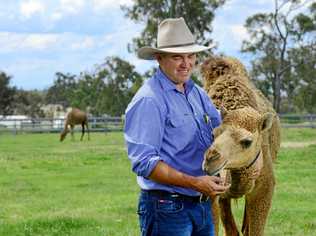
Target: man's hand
210, 185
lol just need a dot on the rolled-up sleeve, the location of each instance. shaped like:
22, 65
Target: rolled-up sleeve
143, 132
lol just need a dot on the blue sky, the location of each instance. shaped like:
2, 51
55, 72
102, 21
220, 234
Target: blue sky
41, 37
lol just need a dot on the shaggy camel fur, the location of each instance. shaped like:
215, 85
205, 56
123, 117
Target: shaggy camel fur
75, 117
247, 142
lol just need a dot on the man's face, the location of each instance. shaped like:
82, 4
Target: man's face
178, 67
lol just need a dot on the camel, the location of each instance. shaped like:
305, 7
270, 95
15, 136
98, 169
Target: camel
75, 117
244, 148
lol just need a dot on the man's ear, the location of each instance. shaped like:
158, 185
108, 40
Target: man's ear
158, 56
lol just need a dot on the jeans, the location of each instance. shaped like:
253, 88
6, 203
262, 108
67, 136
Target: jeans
170, 216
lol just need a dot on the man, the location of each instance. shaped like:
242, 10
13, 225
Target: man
168, 128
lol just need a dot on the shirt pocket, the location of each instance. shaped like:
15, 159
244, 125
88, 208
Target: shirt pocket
207, 129
180, 131
178, 121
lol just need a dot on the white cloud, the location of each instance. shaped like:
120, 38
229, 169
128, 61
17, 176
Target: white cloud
15, 42
63, 42
40, 41
239, 32
72, 6
31, 7
85, 43
101, 5
56, 16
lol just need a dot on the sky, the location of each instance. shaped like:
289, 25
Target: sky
41, 37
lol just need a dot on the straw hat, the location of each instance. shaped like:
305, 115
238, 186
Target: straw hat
173, 36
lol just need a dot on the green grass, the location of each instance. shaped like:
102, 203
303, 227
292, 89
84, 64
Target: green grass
87, 188
298, 135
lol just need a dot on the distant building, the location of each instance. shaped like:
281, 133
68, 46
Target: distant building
54, 111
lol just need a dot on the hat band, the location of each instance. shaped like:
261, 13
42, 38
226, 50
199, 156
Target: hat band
176, 45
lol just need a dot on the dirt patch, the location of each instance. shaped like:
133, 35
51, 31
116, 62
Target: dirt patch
297, 144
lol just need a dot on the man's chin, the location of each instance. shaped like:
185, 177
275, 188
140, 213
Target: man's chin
183, 78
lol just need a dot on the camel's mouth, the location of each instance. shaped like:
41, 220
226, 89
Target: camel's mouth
217, 170
213, 165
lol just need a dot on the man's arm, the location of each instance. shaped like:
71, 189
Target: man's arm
208, 185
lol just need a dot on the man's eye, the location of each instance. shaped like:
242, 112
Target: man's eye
176, 58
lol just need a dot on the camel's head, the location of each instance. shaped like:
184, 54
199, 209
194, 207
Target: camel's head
215, 67
237, 141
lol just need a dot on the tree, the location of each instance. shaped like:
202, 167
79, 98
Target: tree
273, 39
28, 103
198, 14
121, 83
303, 93
6, 94
89, 90
62, 90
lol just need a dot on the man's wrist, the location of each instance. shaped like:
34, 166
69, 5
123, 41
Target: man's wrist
190, 181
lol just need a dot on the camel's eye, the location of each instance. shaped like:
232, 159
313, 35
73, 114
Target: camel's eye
246, 142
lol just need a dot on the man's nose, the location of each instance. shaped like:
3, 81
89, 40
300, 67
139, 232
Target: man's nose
185, 62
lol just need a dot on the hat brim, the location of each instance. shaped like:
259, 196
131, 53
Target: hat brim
148, 53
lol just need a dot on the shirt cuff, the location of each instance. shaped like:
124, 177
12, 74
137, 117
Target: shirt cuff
151, 164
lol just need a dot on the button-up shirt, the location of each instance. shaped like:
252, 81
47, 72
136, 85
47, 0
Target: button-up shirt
165, 124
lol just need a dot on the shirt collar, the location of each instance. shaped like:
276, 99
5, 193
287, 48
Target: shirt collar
167, 84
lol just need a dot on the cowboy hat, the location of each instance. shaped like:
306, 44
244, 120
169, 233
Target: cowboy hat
173, 36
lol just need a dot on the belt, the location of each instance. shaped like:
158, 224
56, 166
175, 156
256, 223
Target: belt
176, 196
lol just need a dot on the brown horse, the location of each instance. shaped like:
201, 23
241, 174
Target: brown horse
75, 117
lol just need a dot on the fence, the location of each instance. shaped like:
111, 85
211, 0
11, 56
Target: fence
96, 124
298, 121
108, 124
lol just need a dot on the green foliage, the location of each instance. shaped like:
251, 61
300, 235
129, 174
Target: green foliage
29, 103
6, 94
62, 90
122, 82
198, 14
106, 91
283, 42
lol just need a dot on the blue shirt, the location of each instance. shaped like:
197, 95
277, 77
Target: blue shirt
164, 124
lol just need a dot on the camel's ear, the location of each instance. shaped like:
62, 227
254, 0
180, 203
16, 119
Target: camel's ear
223, 112
266, 121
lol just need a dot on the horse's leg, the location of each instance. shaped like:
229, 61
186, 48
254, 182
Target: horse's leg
82, 133
227, 217
72, 132
88, 130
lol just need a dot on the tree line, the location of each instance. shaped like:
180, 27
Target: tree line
107, 90
282, 45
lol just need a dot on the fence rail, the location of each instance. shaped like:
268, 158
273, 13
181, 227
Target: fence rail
298, 121
41, 125
108, 124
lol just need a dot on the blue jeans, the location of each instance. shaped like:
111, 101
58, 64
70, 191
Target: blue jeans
172, 216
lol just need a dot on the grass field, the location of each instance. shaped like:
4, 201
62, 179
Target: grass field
86, 188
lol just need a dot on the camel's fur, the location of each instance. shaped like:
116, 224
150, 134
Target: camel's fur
75, 117
250, 126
